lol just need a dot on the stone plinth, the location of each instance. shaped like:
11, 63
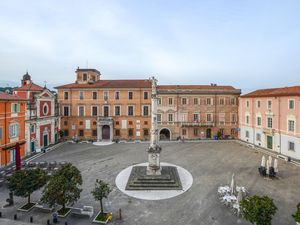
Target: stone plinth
167, 180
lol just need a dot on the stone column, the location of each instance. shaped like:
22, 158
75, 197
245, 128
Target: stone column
111, 132
99, 132
154, 150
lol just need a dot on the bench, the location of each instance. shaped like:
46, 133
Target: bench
86, 211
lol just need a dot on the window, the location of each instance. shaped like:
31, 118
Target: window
66, 95
196, 101
196, 117
32, 128
117, 132
247, 134
208, 101
247, 119
258, 121
145, 122
232, 101
14, 130
258, 137
105, 95
130, 111
258, 104
117, 95
146, 132
66, 122
170, 117
117, 123
81, 95
81, 133
105, 111
0, 135
222, 101
130, 95
94, 95
94, 110
158, 101
130, 122
81, 111
66, 133
183, 131
117, 110
80, 123
222, 118
291, 104
196, 131
94, 133
45, 109
247, 104
130, 132
66, 111
145, 95
291, 125
291, 146
15, 107
170, 101
183, 101
145, 110
269, 122
84, 77
269, 104
209, 117
158, 117
233, 118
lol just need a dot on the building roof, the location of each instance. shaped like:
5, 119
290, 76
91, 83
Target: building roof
197, 89
87, 70
109, 84
273, 92
9, 97
29, 87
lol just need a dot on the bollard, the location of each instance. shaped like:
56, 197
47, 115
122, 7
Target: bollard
66, 223
15, 217
120, 214
31, 219
48, 222
0, 214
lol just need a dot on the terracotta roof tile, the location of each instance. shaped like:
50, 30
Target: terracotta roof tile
110, 84
5, 96
29, 87
272, 92
195, 87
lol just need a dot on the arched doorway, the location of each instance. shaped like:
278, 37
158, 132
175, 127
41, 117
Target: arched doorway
165, 134
105, 132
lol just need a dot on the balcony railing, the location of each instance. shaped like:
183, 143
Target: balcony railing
198, 124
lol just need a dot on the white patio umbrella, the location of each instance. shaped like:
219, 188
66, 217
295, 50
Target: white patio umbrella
270, 161
263, 161
232, 185
267, 167
275, 166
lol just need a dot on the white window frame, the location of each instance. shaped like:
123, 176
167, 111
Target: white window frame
288, 125
79, 110
119, 95
223, 99
93, 95
68, 110
105, 94
133, 109
211, 117
259, 125
247, 103
289, 146
169, 117
68, 95
268, 105
198, 115
182, 100
222, 115
291, 100
172, 100
92, 110
115, 110
47, 107
160, 117
268, 122
14, 130
247, 134
132, 95
258, 135
16, 107
104, 112
82, 95
149, 113
147, 95
196, 100
258, 104
159, 101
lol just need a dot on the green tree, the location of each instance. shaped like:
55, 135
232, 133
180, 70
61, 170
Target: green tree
100, 191
258, 210
61, 133
63, 187
297, 214
24, 182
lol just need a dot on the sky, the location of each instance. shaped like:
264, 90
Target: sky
249, 44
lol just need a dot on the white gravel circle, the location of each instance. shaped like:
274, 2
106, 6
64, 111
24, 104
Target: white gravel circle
102, 143
185, 178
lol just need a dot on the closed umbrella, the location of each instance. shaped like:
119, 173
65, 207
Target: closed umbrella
270, 161
275, 166
232, 185
263, 161
267, 167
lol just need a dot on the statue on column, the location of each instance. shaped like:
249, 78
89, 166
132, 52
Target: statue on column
154, 150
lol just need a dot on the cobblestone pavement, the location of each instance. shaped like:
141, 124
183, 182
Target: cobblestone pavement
211, 165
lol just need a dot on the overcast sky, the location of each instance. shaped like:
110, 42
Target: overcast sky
245, 43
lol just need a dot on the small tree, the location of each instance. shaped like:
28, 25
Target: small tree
24, 182
63, 187
100, 191
297, 214
258, 210
61, 133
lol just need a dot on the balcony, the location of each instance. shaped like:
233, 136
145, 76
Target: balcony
197, 124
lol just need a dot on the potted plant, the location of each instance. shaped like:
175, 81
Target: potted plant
100, 191
297, 215
63, 188
24, 182
258, 210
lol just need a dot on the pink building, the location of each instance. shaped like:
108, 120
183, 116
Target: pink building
41, 126
269, 118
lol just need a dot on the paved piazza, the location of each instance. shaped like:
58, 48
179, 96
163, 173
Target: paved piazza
210, 163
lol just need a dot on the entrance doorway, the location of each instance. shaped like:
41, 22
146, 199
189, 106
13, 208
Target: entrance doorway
32, 146
45, 140
208, 133
105, 132
269, 142
165, 134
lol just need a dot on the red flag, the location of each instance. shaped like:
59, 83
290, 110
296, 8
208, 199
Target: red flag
18, 156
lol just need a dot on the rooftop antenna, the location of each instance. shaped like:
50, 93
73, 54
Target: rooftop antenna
45, 83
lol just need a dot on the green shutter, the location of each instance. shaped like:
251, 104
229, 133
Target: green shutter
12, 107
18, 107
